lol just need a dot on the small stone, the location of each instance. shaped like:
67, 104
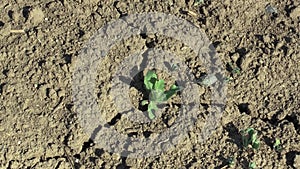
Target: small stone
295, 12
271, 10
235, 57
279, 44
208, 80
171, 121
52, 94
61, 93
297, 161
3, 56
36, 16
10, 73
245, 62
281, 115
267, 39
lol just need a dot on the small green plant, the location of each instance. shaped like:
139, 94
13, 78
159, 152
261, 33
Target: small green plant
230, 161
249, 137
234, 69
157, 93
277, 145
198, 2
174, 67
252, 165
228, 79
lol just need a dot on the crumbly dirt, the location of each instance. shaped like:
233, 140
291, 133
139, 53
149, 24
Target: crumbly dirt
40, 41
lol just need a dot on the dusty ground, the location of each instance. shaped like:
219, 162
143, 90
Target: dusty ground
40, 129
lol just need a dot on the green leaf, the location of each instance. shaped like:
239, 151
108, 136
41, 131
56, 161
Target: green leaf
151, 114
151, 109
230, 161
249, 136
150, 79
174, 66
256, 144
144, 102
277, 145
157, 96
252, 165
198, 2
159, 85
173, 90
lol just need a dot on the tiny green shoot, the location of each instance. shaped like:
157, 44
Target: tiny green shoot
249, 137
252, 165
157, 93
174, 67
228, 79
198, 2
277, 145
234, 69
230, 161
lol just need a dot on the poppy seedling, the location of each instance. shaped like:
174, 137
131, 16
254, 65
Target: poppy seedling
157, 93
277, 145
198, 2
230, 161
249, 137
234, 69
252, 165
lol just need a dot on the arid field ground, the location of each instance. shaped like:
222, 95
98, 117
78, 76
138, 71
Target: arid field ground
256, 41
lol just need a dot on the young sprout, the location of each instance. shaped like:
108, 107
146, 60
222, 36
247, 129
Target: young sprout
234, 69
157, 93
277, 145
174, 66
249, 137
230, 161
228, 79
252, 165
198, 2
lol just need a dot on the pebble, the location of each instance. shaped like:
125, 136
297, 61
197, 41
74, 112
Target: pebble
271, 10
297, 161
235, 57
207, 80
52, 94
245, 62
267, 39
295, 12
281, 115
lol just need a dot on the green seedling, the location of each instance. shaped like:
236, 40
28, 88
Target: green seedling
252, 165
198, 2
277, 145
234, 69
228, 79
249, 137
174, 67
157, 93
230, 161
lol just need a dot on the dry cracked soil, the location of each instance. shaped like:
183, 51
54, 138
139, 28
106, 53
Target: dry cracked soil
257, 43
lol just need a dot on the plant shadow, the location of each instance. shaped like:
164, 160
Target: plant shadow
137, 82
234, 135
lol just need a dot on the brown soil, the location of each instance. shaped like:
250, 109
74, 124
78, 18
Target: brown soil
40, 41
